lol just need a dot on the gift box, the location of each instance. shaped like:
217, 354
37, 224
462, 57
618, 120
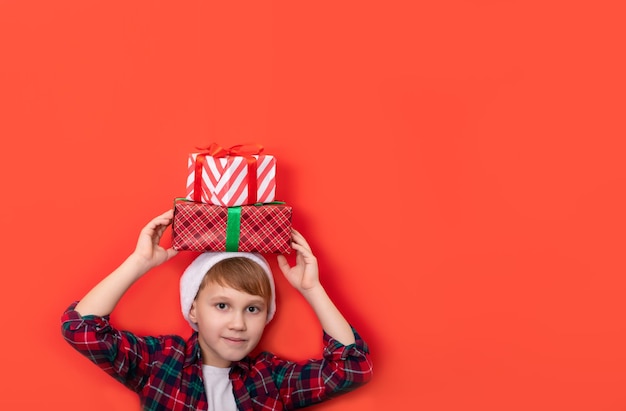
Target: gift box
239, 175
262, 228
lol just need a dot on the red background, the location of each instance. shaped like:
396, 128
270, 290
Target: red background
457, 166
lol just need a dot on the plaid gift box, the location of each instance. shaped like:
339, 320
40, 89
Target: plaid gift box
233, 176
262, 228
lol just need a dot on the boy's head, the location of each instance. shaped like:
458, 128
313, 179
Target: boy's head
246, 272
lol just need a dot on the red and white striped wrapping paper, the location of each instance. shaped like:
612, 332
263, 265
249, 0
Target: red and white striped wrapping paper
225, 180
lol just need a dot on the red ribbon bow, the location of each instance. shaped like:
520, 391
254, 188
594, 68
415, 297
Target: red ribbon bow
244, 150
215, 150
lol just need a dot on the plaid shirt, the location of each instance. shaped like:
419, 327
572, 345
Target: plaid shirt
166, 371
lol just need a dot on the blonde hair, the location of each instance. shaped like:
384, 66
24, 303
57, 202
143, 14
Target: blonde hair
242, 274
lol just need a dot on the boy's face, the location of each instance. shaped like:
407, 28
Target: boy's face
230, 323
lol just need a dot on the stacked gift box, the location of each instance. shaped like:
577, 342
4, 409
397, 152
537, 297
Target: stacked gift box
230, 203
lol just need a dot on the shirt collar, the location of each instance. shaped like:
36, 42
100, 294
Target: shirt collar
244, 365
192, 351
193, 356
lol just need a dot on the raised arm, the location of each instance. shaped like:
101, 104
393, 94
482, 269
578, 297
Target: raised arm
102, 299
304, 276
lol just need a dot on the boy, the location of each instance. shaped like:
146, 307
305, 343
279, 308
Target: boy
227, 298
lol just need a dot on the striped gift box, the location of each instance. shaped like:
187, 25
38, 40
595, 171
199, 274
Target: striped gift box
228, 181
263, 228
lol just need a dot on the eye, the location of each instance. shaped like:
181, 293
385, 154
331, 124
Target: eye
253, 309
221, 306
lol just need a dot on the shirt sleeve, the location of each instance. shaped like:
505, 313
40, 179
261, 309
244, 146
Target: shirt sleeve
341, 369
121, 354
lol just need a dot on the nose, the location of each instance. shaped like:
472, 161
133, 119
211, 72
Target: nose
237, 321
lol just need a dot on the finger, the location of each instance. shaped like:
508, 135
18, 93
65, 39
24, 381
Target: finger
163, 219
168, 214
159, 228
300, 256
302, 250
156, 226
171, 253
299, 239
283, 264
160, 224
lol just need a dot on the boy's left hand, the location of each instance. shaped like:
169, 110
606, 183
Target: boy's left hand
304, 276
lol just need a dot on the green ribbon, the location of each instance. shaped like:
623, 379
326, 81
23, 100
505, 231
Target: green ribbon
270, 203
233, 227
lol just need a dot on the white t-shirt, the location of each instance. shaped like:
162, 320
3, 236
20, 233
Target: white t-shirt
219, 389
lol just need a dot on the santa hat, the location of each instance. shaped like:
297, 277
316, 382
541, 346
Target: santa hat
192, 278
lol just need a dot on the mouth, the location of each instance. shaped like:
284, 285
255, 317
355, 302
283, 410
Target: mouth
234, 340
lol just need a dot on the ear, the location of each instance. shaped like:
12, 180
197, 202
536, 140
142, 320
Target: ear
192, 312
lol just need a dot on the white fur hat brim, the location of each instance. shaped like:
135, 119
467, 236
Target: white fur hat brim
192, 278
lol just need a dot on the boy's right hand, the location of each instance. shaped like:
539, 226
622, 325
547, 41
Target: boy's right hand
102, 299
148, 250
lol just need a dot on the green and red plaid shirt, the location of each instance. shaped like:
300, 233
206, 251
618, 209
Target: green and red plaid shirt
166, 371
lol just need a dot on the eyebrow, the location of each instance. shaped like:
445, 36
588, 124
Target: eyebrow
256, 299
